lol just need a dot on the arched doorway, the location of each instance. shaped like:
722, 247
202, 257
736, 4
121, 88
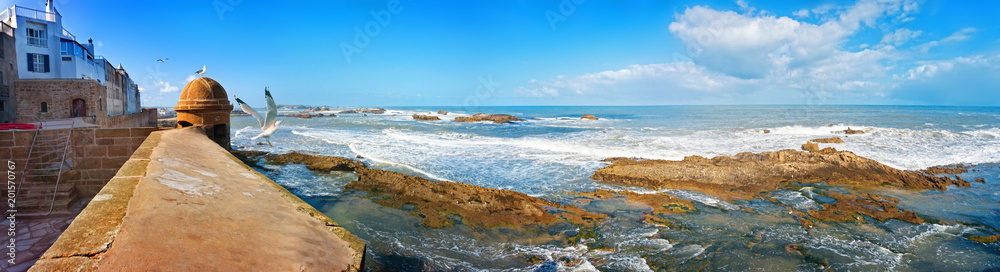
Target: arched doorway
79, 108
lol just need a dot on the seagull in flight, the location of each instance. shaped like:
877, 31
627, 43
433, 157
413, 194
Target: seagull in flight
202, 71
267, 123
163, 59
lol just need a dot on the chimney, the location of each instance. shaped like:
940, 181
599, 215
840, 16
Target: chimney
50, 7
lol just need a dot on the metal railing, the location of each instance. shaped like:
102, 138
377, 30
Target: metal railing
35, 14
28, 170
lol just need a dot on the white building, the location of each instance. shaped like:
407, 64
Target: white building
46, 50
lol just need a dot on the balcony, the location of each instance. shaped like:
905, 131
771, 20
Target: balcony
36, 14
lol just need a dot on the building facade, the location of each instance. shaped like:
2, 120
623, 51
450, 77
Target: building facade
8, 74
46, 54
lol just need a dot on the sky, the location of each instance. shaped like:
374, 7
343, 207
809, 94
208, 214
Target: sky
570, 52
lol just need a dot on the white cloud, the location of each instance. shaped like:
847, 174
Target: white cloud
189, 79
900, 36
165, 87
959, 81
959, 36
801, 13
737, 55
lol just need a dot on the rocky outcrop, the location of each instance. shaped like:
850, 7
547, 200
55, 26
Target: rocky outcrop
814, 148
438, 203
297, 114
831, 140
851, 131
312, 162
366, 110
850, 208
953, 169
588, 117
495, 118
442, 112
445, 203
660, 203
425, 117
746, 174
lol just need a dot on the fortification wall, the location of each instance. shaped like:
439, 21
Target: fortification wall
96, 153
219, 215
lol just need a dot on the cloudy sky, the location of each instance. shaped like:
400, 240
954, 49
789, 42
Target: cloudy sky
454, 53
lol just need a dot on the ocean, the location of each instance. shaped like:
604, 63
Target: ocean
553, 153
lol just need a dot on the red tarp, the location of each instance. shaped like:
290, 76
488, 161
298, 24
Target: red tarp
6, 126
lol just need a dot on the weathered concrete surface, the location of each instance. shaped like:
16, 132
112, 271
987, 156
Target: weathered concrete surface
197, 208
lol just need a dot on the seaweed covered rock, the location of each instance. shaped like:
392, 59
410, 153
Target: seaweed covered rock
439, 203
445, 203
746, 174
495, 118
312, 162
425, 117
851, 207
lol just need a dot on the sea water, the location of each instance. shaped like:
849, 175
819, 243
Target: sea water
553, 152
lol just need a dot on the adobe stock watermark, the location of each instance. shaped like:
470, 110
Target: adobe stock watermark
363, 35
566, 8
11, 211
484, 90
225, 6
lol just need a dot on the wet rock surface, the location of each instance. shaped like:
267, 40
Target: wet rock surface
831, 140
495, 118
745, 175
588, 117
365, 110
660, 203
425, 117
851, 208
438, 203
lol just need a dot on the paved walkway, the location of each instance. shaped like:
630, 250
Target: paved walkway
34, 235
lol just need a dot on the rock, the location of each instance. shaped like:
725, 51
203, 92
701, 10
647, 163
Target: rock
300, 115
359, 157
953, 169
445, 203
438, 203
660, 203
312, 162
810, 146
831, 140
984, 239
874, 206
767, 131
588, 117
981, 180
745, 175
814, 148
366, 110
425, 117
496, 118
320, 115
442, 112
851, 131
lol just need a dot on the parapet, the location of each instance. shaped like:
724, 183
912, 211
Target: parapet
182, 203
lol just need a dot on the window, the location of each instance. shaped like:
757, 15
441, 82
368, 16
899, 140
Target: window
36, 37
38, 63
79, 51
67, 48
45, 107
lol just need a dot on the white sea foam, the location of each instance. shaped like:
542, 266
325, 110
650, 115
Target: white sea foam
703, 198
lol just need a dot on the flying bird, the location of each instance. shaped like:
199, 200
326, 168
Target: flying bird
163, 59
267, 123
202, 71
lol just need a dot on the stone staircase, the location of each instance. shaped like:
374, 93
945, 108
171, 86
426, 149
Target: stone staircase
40, 192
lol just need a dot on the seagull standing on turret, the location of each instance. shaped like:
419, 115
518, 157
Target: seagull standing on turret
202, 71
267, 123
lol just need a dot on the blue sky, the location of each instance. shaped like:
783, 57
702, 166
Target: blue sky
461, 53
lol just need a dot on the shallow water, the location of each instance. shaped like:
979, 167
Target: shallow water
554, 153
